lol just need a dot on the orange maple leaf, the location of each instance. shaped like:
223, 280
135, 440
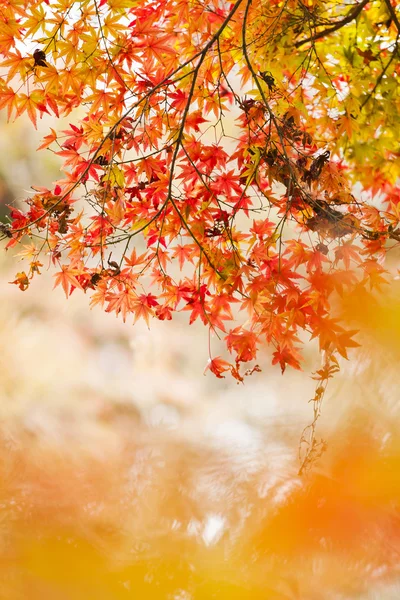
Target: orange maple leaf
217, 366
143, 306
67, 279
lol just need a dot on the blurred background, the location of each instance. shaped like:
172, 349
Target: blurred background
127, 473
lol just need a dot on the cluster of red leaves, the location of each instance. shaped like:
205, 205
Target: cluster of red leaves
262, 221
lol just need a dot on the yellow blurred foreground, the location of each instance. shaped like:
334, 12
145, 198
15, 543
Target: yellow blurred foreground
161, 513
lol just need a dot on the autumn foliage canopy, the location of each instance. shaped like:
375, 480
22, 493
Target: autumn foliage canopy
238, 161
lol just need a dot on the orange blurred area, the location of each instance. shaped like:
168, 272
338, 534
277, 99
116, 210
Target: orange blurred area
160, 518
377, 314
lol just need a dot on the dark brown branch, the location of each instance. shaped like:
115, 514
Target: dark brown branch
378, 81
393, 14
353, 14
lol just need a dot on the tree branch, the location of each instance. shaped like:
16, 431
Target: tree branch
353, 14
393, 14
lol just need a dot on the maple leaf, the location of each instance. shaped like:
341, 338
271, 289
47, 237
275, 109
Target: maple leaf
48, 139
21, 280
374, 274
67, 278
179, 100
347, 253
227, 184
157, 46
197, 310
9, 99
100, 295
17, 64
31, 104
36, 19
164, 313
286, 356
194, 120
183, 253
142, 307
217, 366
344, 341
120, 301
134, 260
243, 342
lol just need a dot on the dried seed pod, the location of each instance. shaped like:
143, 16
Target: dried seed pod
40, 58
